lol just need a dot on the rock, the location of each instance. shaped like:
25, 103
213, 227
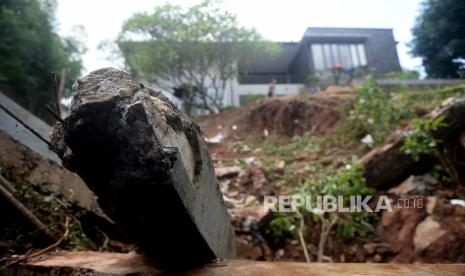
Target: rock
426, 233
398, 227
415, 184
405, 187
250, 200
254, 182
149, 165
370, 248
377, 258
247, 250
240, 216
430, 204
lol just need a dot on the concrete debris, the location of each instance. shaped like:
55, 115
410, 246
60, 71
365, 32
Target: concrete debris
426, 233
227, 172
39, 171
149, 165
431, 202
415, 184
370, 248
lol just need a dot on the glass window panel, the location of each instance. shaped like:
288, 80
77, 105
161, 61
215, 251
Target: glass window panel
354, 55
362, 55
345, 55
328, 57
318, 57
335, 54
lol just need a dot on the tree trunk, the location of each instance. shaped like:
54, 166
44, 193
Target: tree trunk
387, 165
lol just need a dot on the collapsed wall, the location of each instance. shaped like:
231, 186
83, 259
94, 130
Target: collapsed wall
149, 165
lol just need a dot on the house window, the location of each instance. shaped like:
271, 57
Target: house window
326, 56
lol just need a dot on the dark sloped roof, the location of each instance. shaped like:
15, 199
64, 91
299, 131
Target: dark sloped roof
269, 63
323, 32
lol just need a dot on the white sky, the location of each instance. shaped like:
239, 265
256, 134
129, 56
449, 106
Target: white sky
274, 20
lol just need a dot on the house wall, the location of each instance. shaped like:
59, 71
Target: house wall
234, 91
381, 51
301, 65
380, 46
232, 96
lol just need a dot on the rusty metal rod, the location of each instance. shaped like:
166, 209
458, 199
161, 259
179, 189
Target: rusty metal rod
25, 125
24, 212
6, 184
54, 114
57, 96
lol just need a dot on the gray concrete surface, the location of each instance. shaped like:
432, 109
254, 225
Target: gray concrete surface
11, 127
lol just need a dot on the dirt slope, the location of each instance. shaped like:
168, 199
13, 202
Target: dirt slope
280, 116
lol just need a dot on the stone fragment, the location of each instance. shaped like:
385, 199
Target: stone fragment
149, 165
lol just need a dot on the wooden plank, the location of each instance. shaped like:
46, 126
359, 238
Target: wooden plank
103, 264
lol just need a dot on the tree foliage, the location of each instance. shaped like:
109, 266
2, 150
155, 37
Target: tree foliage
195, 49
439, 38
30, 50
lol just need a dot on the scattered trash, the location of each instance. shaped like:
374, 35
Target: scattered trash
459, 202
215, 139
368, 140
249, 160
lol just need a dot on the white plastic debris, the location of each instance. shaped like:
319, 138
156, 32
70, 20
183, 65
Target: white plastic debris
249, 160
460, 202
215, 139
368, 140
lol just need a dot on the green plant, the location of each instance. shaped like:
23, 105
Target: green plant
419, 141
347, 182
402, 75
251, 98
53, 210
373, 113
199, 45
296, 146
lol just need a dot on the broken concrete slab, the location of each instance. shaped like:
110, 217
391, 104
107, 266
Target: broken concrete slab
149, 165
39, 171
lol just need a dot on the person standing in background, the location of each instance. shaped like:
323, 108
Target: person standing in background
271, 88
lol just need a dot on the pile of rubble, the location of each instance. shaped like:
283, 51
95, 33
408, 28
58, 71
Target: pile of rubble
427, 218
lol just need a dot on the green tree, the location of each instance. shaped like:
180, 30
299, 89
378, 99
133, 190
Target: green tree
439, 38
30, 50
196, 48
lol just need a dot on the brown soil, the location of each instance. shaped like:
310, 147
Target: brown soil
283, 117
